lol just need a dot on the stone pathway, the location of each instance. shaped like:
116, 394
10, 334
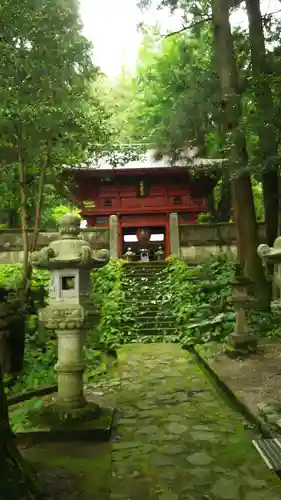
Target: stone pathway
176, 439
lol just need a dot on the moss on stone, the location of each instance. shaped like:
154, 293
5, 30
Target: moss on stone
90, 465
189, 455
42, 415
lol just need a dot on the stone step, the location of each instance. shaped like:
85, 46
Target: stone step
145, 268
144, 272
140, 281
138, 275
150, 263
148, 304
140, 286
147, 316
155, 326
142, 276
153, 322
141, 295
158, 331
145, 307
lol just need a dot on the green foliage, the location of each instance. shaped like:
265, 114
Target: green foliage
107, 292
198, 297
10, 276
50, 115
204, 218
258, 199
265, 325
171, 99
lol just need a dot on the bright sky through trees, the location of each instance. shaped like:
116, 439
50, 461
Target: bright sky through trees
111, 25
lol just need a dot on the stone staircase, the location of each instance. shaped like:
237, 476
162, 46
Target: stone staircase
142, 286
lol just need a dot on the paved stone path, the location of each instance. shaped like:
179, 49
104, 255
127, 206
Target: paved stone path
176, 439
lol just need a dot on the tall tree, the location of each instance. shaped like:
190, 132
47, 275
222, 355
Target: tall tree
264, 119
49, 114
234, 121
244, 210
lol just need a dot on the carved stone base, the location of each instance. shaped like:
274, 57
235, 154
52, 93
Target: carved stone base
56, 415
241, 345
47, 422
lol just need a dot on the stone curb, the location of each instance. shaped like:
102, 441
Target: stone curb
100, 434
41, 391
239, 405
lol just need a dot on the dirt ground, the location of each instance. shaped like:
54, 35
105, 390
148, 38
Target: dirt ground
256, 380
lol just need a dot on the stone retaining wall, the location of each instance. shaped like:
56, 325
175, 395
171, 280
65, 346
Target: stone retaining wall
197, 241
11, 242
212, 234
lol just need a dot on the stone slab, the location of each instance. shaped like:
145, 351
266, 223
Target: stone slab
97, 426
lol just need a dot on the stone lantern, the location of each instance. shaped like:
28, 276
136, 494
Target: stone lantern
272, 256
160, 254
241, 340
71, 311
129, 255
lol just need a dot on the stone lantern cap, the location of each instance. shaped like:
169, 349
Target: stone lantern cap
69, 250
272, 254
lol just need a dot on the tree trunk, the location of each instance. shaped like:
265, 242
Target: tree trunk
40, 192
265, 112
224, 206
16, 481
23, 216
243, 202
211, 206
27, 268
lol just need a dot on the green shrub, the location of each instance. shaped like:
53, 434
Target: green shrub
11, 274
108, 294
198, 297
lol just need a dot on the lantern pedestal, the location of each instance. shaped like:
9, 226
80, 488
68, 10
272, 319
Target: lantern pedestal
49, 421
241, 342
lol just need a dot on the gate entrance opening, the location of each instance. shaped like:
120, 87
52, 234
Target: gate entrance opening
144, 242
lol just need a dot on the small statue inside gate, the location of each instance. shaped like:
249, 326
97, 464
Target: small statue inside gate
144, 255
160, 253
130, 255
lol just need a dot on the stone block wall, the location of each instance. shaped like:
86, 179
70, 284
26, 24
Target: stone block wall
11, 242
198, 242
